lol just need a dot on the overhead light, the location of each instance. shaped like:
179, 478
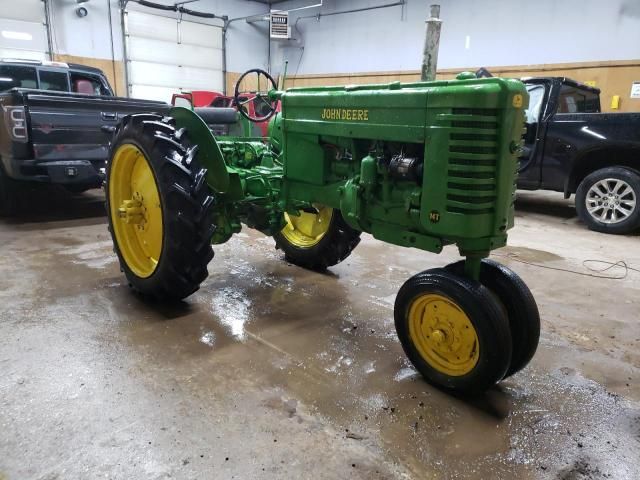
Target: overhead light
11, 35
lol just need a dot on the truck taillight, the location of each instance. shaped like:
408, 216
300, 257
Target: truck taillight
16, 122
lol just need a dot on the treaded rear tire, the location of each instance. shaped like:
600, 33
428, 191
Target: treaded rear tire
186, 207
336, 245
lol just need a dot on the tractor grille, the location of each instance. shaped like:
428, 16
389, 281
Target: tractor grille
473, 157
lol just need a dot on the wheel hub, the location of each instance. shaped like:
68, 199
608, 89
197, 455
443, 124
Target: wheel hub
610, 200
135, 210
132, 212
307, 229
443, 334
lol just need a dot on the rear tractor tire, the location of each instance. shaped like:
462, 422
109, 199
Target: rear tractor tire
159, 208
453, 331
316, 239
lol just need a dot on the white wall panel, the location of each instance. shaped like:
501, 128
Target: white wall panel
146, 25
162, 75
23, 54
198, 34
165, 56
152, 93
148, 50
25, 10
23, 33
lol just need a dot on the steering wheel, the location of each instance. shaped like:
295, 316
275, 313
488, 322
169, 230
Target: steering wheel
258, 96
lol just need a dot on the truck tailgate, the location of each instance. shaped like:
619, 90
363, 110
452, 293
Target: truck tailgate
67, 126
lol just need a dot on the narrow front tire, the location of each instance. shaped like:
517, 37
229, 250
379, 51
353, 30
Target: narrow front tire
453, 331
519, 305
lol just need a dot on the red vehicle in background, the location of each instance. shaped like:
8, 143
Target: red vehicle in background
203, 98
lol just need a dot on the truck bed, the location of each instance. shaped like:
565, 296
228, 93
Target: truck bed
68, 134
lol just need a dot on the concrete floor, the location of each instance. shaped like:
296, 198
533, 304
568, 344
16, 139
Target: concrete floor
271, 371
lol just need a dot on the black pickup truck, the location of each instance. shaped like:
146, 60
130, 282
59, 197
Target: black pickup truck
571, 147
56, 123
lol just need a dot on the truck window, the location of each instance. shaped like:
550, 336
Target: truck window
54, 81
87, 84
536, 95
577, 100
17, 76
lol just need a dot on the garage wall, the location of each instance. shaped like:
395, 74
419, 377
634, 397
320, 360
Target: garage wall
475, 32
513, 37
88, 40
613, 78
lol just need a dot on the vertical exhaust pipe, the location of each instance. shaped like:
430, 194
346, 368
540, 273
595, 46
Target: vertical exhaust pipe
431, 44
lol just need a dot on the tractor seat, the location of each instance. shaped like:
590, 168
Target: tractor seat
218, 116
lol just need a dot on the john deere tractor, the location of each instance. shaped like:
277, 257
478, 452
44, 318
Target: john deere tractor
420, 165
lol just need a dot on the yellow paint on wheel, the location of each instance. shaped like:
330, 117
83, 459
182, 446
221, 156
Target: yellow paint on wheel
443, 334
307, 229
135, 210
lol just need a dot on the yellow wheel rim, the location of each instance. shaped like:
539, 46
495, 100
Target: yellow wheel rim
443, 334
135, 210
307, 229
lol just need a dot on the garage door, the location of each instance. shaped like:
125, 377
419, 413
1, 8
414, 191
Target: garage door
165, 56
23, 30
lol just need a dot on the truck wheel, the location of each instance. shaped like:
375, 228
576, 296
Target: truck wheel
8, 195
316, 239
519, 305
159, 208
453, 331
607, 200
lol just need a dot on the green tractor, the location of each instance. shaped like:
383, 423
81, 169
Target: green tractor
420, 165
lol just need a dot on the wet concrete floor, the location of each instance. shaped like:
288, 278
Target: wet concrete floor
271, 371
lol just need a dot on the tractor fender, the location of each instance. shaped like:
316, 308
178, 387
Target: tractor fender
209, 153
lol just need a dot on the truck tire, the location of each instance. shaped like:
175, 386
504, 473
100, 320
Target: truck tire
8, 195
607, 200
159, 208
317, 239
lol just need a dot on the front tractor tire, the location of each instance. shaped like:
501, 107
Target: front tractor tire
159, 208
517, 301
316, 239
608, 200
453, 331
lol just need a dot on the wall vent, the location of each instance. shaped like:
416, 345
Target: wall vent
279, 26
